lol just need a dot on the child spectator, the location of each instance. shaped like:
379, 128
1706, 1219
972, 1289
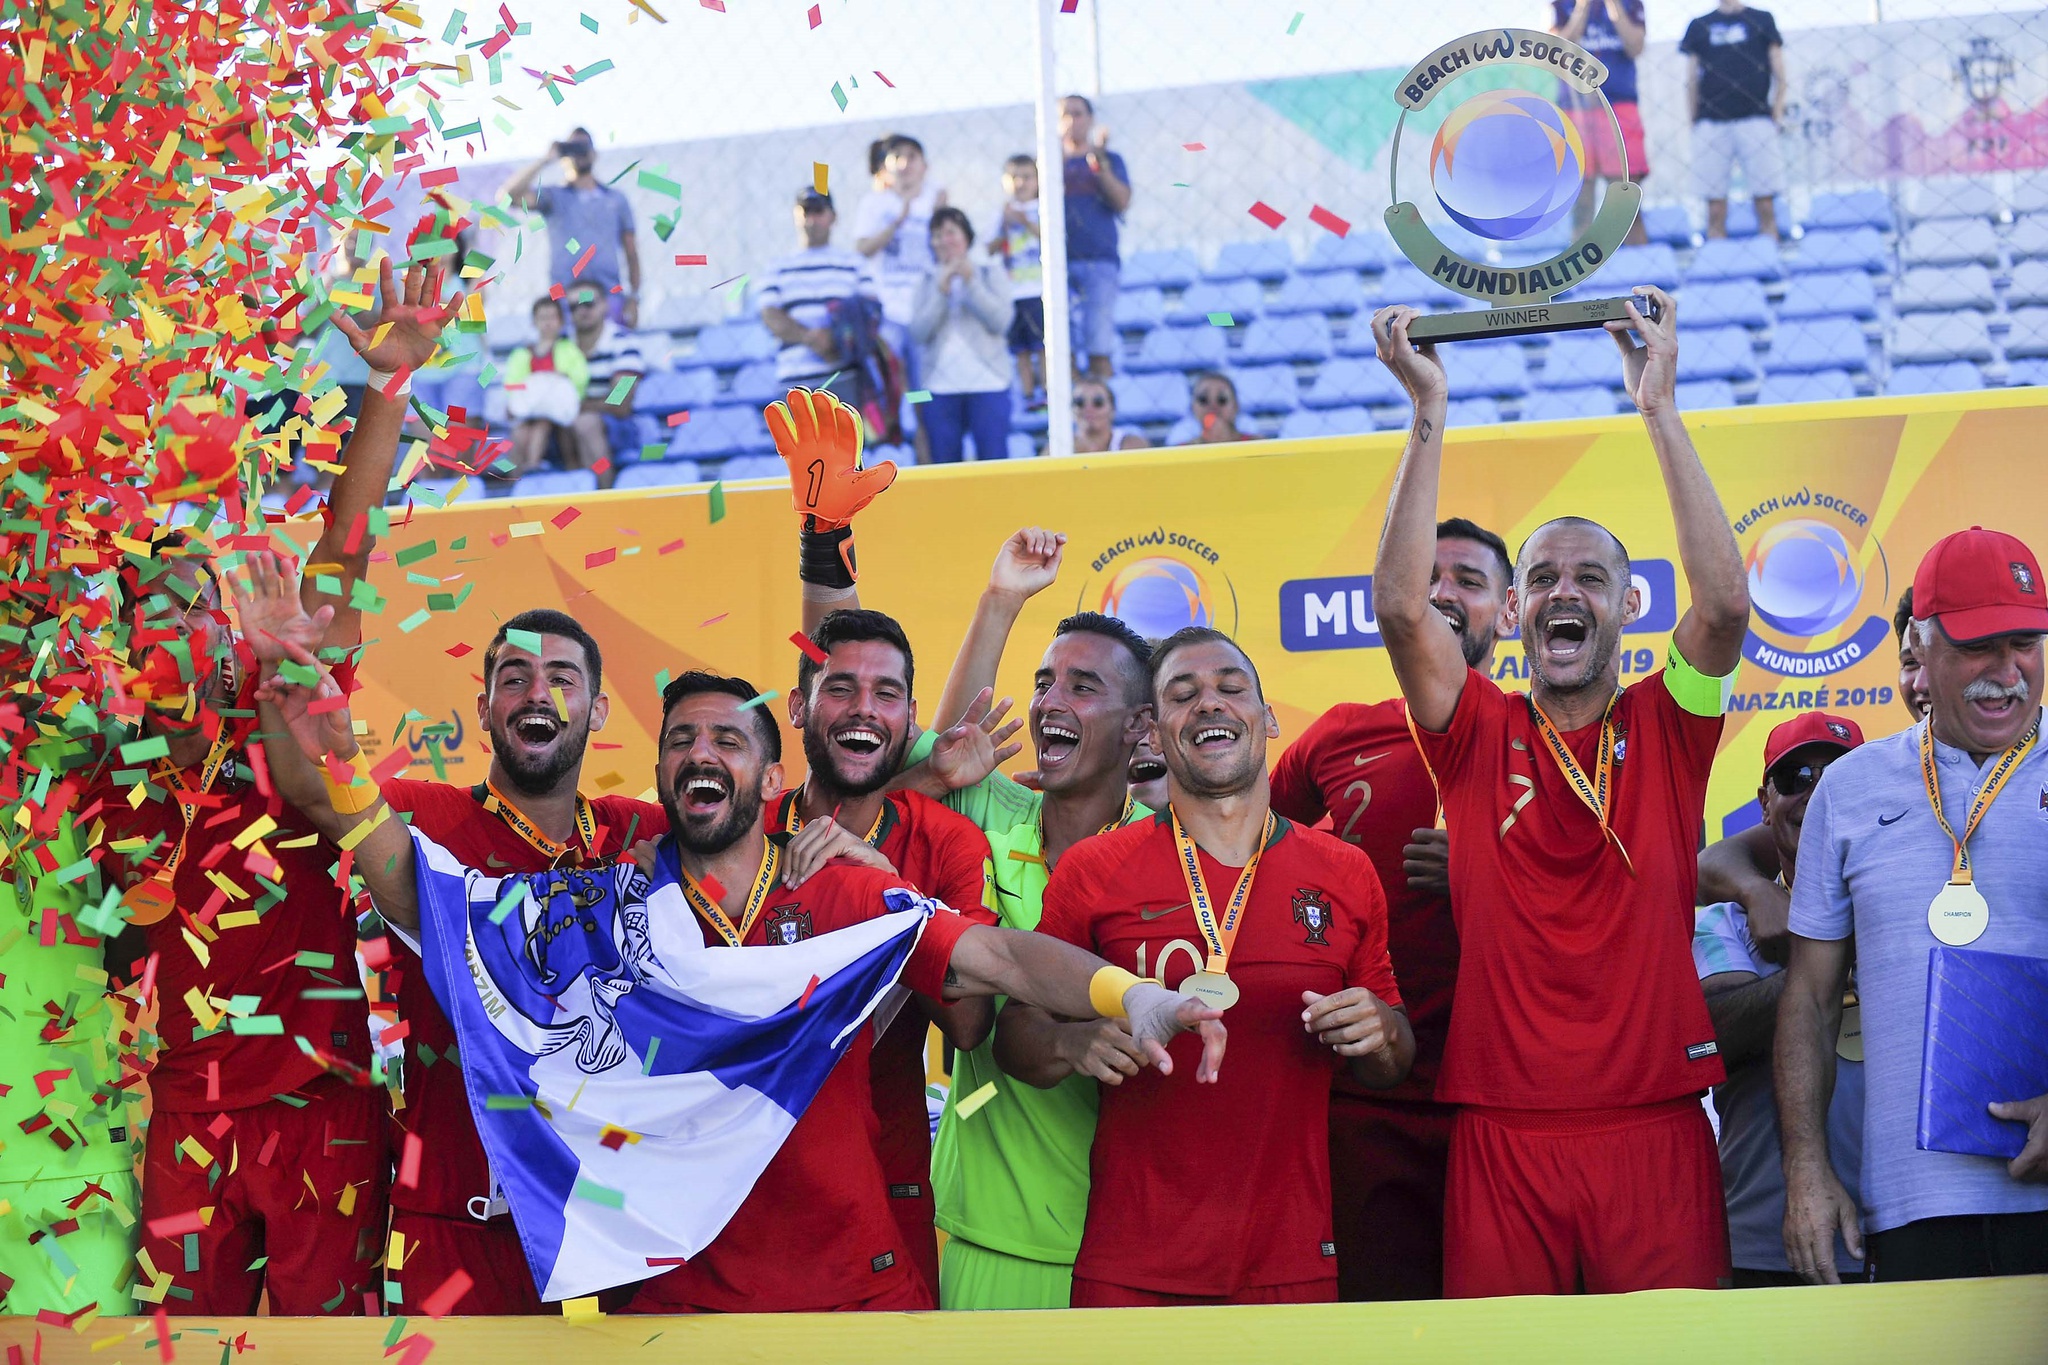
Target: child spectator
1016, 241
544, 388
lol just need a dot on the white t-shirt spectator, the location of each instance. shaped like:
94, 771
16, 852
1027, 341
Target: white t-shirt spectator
902, 263
617, 353
804, 286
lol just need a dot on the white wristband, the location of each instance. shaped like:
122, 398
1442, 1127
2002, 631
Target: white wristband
380, 381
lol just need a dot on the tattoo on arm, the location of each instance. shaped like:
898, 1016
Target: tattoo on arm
1426, 430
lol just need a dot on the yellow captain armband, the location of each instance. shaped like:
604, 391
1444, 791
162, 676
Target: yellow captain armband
357, 794
1693, 690
1106, 990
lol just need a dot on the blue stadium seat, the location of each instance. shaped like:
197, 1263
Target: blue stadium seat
1346, 421
1239, 298
1736, 258
1140, 309
1299, 337
1950, 242
1717, 353
728, 345
1716, 302
1176, 269
2029, 194
1487, 369
1694, 394
2029, 284
1856, 249
1578, 358
1468, 412
1357, 250
1669, 224
666, 474
1634, 265
1951, 376
1268, 260
1846, 293
1328, 291
1819, 387
2026, 373
555, 483
662, 392
1938, 287
718, 432
1851, 209
2029, 334
1179, 348
2028, 240
1020, 447
1150, 397
1587, 400
1349, 381
1266, 389
463, 390
1024, 417
1935, 337
1950, 198
1813, 344
1741, 218
1405, 284
754, 385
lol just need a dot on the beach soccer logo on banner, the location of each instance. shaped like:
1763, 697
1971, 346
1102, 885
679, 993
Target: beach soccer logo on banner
1815, 572
1158, 581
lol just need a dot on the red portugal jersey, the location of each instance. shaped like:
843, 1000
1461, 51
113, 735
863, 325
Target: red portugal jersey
1576, 987
1215, 1189
1359, 765
253, 932
454, 1169
816, 1232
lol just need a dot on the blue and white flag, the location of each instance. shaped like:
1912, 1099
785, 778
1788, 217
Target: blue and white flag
631, 1084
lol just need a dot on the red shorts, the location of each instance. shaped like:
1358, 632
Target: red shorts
437, 1247
1387, 1161
317, 1258
909, 1294
1102, 1294
1603, 162
1601, 1201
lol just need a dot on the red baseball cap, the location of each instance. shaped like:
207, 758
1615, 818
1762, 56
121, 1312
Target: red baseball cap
1981, 583
1814, 727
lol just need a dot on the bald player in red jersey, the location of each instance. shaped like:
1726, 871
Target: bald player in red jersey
1221, 1194
1358, 765
243, 1121
1581, 1158
815, 1233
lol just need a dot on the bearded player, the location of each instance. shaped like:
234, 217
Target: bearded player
260, 1088
1221, 1193
1579, 1044
815, 1233
1359, 765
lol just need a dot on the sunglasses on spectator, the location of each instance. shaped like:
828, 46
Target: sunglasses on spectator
1093, 401
1792, 779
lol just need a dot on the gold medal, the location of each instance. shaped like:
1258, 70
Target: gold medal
1959, 914
1214, 989
1213, 983
153, 898
515, 819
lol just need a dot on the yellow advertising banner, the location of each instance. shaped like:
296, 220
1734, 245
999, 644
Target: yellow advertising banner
1833, 505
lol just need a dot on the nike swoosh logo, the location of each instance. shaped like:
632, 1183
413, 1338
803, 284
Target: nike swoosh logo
1896, 818
1360, 760
1155, 914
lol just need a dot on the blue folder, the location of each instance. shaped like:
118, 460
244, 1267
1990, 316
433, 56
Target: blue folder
1987, 1039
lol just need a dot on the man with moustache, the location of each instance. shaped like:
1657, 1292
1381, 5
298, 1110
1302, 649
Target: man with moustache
815, 1233
1579, 1045
1359, 765
1291, 927
1010, 1169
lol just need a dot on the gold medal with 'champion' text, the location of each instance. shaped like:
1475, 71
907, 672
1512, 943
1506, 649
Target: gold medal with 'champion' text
1212, 985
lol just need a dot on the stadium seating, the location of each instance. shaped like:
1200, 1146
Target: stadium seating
1931, 337
1950, 242
2029, 284
1555, 404
554, 483
2029, 194
1935, 287
1634, 265
1741, 218
1949, 376
1487, 369
1328, 291
1239, 298
1023, 417
1345, 421
662, 392
2029, 334
1352, 381
1820, 386
1176, 269
1950, 197
753, 467
754, 385
1140, 309
728, 345
1669, 224
1717, 302
1578, 358
1854, 249
716, 433
464, 390
1369, 252
1694, 394
2027, 372
1269, 260
1851, 209
2028, 240
1815, 344
1735, 258
1846, 293
666, 474
1405, 284
1150, 397
1019, 447
1460, 412
1717, 353
1266, 389
1179, 348
1299, 337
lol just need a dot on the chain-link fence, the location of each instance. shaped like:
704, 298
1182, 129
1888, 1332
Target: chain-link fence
1847, 197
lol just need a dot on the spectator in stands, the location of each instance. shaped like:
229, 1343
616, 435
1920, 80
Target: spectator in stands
1098, 192
1095, 428
959, 321
1214, 408
1016, 240
892, 227
595, 217
1611, 30
604, 424
797, 295
1735, 87
545, 384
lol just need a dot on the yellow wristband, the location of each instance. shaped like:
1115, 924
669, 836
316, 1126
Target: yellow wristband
1106, 990
359, 793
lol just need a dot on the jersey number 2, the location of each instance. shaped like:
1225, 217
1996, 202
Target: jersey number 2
1363, 789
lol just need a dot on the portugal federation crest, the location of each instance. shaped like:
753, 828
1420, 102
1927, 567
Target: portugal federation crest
788, 925
1312, 913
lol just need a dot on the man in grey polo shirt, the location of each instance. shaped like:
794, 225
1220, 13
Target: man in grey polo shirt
1872, 860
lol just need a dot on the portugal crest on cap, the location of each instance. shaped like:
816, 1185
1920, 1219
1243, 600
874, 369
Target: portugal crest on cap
1312, 912
2023, 576
1839, 730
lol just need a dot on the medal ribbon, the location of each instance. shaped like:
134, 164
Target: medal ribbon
216, 759
1219, 936
714, 914
2008, 763
515, 819
1597, 791
792, 821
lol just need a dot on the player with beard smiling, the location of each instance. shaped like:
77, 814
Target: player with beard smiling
1359, 765
1581, 1158
1291, 927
